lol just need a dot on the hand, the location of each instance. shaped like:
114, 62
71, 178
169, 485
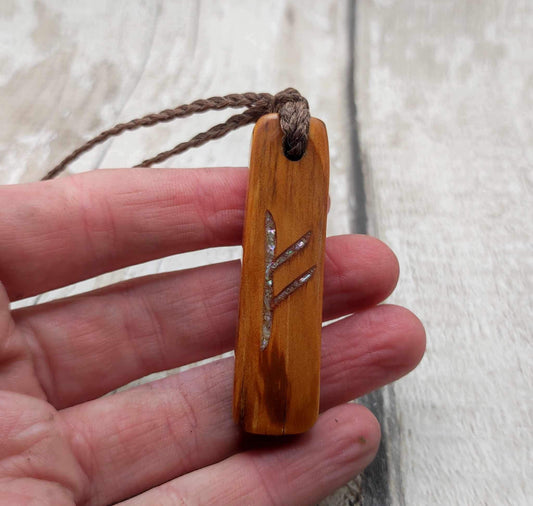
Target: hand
61, 442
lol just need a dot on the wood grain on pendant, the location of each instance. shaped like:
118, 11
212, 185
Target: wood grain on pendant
277, 354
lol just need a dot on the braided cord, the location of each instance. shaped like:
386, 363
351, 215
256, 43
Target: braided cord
291, 106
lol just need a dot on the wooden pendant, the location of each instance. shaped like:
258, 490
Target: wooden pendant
277, 354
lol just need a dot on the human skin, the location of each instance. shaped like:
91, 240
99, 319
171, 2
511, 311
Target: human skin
171, 441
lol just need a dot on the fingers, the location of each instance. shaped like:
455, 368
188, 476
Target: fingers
148, 435
159, 322
341, 444
70, 229
369, 350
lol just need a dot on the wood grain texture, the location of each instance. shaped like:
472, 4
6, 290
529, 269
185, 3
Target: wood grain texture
277, 384
445, 103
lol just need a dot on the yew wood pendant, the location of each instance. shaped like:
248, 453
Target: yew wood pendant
277, 354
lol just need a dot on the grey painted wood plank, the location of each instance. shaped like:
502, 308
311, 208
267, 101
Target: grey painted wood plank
445, 115
374, 485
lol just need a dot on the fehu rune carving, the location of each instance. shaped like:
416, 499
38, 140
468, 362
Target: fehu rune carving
271, 301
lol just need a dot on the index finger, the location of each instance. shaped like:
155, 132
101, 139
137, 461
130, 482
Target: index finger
58, 232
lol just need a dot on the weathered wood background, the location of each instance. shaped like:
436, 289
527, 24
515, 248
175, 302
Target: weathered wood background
429, 107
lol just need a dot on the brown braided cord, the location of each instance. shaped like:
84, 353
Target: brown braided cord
292, 108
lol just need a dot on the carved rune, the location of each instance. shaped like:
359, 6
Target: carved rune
271, 301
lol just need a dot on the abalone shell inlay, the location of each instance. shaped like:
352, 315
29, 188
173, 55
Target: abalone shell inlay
272, 263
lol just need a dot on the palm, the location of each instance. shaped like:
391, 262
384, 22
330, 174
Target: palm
63, 443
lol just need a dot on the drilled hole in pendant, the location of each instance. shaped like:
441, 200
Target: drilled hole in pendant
294, 156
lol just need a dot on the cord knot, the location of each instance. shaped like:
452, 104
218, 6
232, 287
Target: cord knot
294, 117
